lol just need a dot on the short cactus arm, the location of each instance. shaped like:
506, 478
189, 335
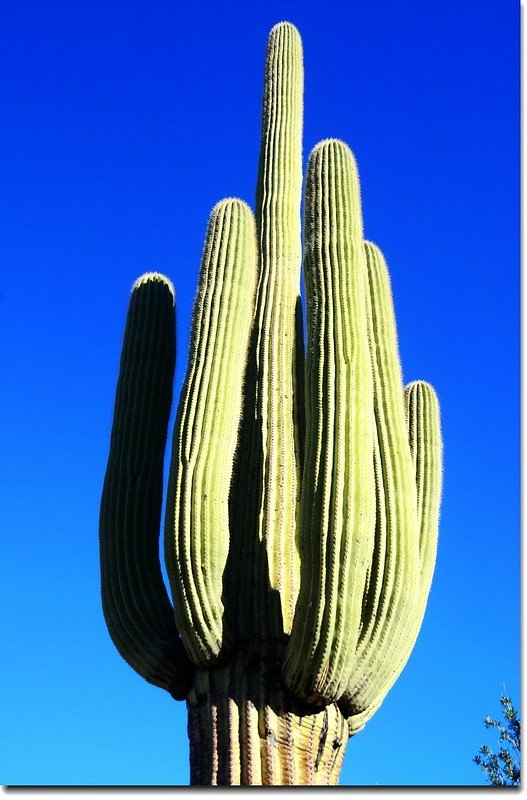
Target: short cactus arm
206, 430
337, 507
136, 606
424, 432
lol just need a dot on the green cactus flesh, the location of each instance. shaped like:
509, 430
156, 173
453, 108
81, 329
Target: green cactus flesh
303, 494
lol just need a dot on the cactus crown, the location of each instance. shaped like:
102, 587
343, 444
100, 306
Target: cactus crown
303, 495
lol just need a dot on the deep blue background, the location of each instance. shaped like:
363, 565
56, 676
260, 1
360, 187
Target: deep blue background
122, 124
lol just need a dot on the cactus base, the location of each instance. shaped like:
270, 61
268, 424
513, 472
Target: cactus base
245, 729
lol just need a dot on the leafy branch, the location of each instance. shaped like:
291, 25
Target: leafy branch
504, 767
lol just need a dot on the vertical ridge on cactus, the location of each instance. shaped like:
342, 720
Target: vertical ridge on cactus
304, 489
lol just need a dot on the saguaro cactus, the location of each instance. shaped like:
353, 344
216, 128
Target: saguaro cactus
303, 495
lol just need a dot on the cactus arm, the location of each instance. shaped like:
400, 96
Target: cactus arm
407, 432
387, 622
278, 224
337, 491
424, 433
264, 561
205, 434
136, 606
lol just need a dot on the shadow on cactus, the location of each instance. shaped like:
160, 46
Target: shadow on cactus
304, 488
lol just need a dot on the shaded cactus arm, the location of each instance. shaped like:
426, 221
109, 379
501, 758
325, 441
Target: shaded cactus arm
136, 606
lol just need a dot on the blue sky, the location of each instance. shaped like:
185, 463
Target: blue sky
121, 126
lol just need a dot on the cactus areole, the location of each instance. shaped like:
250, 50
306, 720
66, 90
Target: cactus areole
303, 494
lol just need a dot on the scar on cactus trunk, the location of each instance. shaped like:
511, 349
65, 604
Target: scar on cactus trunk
303, 494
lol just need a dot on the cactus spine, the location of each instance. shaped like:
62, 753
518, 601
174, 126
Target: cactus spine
303, 501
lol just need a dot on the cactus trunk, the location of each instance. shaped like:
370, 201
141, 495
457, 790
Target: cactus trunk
246, 729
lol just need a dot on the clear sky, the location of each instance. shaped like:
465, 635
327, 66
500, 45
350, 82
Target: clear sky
121, 125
